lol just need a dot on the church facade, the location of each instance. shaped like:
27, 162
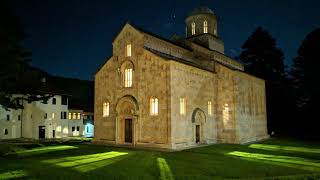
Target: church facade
177, 93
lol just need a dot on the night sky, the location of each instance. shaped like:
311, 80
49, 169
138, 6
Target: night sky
72, 38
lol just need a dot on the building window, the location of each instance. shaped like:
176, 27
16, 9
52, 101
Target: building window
154, 106
128, 77
128, 50
64, 100
73, 128
215, 32
19, 117
106, 109
64, 115
209, 108
52, 115
8, 117
182, 106
6, 131
54, 101
205, 27
74, 115
226, 116
78, 128
79, 116
193, 28
45, 115
69, 115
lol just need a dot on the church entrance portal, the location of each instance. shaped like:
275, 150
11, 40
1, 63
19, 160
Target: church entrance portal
128, 131
197, 133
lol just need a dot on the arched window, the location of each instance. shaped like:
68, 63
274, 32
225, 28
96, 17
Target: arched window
127, 74
193, 28
6, 131
128, 50
183, 106
154, 106
215, 32
106, 109
226, 116
205, 27
128, 77
209, 108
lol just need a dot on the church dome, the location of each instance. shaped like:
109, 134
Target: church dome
201, 10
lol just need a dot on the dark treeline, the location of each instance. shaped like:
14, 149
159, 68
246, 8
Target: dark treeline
292, 94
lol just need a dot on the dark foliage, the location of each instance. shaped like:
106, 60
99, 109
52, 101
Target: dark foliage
16, 75
262, 58
305, 84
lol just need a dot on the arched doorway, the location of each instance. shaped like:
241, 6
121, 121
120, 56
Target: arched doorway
127, 116
198, 120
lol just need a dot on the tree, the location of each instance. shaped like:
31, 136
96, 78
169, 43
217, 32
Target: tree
16, 75
262, 58
305, 81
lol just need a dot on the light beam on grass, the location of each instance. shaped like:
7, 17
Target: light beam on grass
42, 150
288, 161
13, 174
284, 148
87, 163
165, 172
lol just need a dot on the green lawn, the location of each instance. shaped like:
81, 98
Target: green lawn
274, 159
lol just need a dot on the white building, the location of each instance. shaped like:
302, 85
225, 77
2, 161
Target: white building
10, 123
88, 122
38, 119
45, 119
75, 121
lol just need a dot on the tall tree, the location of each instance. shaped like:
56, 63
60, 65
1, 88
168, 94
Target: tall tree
262, 58
305, 81
16, 75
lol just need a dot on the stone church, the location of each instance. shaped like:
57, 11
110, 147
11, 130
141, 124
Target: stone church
177, 93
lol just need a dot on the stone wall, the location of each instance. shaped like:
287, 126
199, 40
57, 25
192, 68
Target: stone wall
251, 109
197, 86
225, 105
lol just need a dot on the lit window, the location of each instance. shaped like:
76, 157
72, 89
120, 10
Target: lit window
69, 115
193, 28
215, 32
52, 115
106, 107
74, 115
205, 27
226, 116
182, 106
128, 50
128, 77
154, 106
209, 108
79, 116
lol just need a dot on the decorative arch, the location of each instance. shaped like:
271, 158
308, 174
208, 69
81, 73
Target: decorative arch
127, 105
127, 64
198, 116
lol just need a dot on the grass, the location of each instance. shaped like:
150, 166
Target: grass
271, 159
